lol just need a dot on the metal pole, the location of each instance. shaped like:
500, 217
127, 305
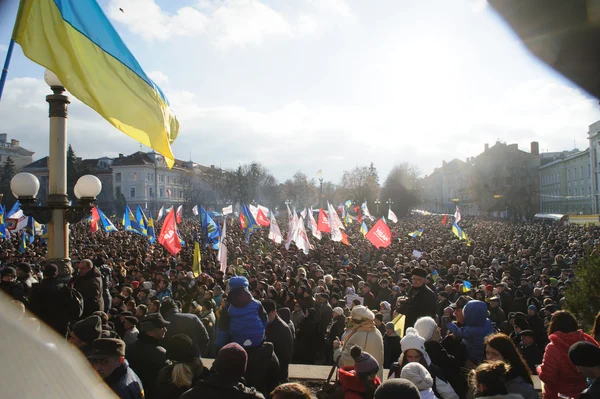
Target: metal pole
321, 194
11, 45
58, 228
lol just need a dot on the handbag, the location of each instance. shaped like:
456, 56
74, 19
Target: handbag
331, 389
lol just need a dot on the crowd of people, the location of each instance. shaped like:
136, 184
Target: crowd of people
441, 317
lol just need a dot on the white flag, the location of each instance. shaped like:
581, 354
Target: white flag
334, 224
313, 225
222, 254
293, 225
161, 213
195, 210
392, 216
228, 210
274, 232
253, 211
303, 213
301, 239
457, 215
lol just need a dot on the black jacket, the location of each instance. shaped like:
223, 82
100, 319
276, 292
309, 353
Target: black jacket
323, 315
14, 290
222, 387
422, 302
337, 329
47, 301
391, 350
146, 358
125, 383
165, 389
188, 324
384, 295
90, 287
279, 334
449, 365
262, 371
533, 356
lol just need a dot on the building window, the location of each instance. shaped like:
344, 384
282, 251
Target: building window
162, 192
135, 176
118, 177
132, 192
161, 179
148, 176
150, 192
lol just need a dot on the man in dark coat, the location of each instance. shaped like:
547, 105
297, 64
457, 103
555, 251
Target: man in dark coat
323, 315
88, 283
11, 286
108, 358
85, 332
180, 323
586, 358
384, 294
531, 352
279, 334
497, 315
145, 355
227, 382
48, 300
421, 299
369, 298
24, 277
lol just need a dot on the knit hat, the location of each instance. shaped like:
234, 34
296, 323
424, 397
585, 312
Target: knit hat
397, 388
8, 271
231, 360
181, 348
364, 363
89, 329
338, 310
238, 282
418, 375
412, 340
360, 312
584, 354
426, 327
532, 307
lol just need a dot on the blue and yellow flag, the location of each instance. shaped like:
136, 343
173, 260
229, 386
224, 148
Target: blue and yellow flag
23, 242
248, 223
2, 222
107, 225
44, 236
15, 208
417, 233
466, 286
130, 223
76, 41
30, 229
211, 233
363, 229
435, 275
151, 232
460, 233
141, 219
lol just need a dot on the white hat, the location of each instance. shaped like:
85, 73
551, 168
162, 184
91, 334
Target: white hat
418, 375
360, 312
412, 340
339, 311
147, 285
425, 326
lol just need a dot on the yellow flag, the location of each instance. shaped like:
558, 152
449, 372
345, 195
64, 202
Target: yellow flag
196, 269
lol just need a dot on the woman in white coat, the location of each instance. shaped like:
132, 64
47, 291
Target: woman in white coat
363, 334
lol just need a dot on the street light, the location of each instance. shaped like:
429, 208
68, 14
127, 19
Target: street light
390, 203
58, 212
377, 202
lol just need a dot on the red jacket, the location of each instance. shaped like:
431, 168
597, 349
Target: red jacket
556, 371
351, 384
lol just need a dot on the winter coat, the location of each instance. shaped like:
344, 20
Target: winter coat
519, 386
449, 366
441, 388
391, 349
297, 317
279, 334
262, 370
222, 387
243, 320
368, 338
387, 316
188, 324
14, 290
307, 340
556, 371
533, 356
90, 287
28, 283
477, 327
422, 302
352, 386
125, 383
165, 389
324, 315
146, 358
384, 295
47, 301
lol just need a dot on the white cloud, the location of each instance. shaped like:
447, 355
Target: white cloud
159, 78
3, 48
232, 23
333, 7
479, 6
307, 24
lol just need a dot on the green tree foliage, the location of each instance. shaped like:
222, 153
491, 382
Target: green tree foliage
120, 203
74, 170
7, 171
401, 187
582, 298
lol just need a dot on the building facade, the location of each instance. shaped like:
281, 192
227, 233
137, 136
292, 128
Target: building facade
13, 149
594, 143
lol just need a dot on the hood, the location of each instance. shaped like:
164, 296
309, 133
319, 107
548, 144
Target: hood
239, 298
285, 314
476, 313
564, 341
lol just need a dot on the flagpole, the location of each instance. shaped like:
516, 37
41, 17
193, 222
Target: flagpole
11, 45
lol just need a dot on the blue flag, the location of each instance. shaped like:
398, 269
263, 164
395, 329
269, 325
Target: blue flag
15, 208
417, 233
23, 243
249, 225
106, 223
130, 223
211, 233
151, 232
44, 236
140, 217
2, 222
466, 286
30, 229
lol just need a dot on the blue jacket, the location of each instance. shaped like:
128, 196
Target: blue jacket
243, 320
477, 327
125, 383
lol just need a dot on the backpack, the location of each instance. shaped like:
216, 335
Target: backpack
73, 303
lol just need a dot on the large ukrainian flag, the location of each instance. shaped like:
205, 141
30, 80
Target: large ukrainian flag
75, 40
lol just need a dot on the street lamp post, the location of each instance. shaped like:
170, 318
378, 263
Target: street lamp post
377, 202
390, 203
321, 193
58, 212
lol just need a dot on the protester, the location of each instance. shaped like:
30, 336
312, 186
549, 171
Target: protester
489, 381
291, 390
279, 334
88, 282
586, 358
183, 323
477, 326
418, 375
397, 388
360, 380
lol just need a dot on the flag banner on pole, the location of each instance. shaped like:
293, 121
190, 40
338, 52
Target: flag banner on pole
323, 224
380, 234
142, 220
457, 217
197, 257
392, 216
261, 218
363, 229
161, 213
314, 227
300, 237
444, 220
222, 254
180, 214
130, 223
417, 233
249, 224
274, 232
228, 210
334, 224
76, 41
169, 237
195, 210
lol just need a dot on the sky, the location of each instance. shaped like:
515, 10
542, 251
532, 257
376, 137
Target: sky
319, 84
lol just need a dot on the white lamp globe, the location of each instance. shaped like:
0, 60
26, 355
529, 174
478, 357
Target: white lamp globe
51, 79
24, 185
88, 186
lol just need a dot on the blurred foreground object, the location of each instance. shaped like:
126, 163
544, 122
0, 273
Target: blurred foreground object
563, 34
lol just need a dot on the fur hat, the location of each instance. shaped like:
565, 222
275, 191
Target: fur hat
426, 327
418, 375
360, 312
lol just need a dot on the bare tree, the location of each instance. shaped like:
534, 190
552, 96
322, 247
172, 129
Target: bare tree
300, 190
361, 183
